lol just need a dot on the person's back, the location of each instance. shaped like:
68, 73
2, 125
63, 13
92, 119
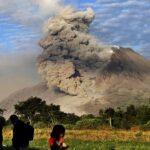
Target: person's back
19, 139
1, 136
19, 134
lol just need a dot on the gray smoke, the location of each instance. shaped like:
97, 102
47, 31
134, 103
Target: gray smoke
72, 59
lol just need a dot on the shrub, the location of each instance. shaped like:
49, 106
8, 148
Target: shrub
146, 127
39, 125
88, 124
69, 126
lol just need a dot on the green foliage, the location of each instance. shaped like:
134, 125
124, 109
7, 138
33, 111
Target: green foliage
35, 110
2, 111
70, 118
143, 114
109, 112
39, 125
89, 116
146, 127
2, 121
30, 108
50, 114
69, 126
88, 124
131, 110
125, 119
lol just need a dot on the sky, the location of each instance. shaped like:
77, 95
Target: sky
119, 22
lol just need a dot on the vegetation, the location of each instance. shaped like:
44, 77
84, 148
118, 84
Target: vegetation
91, 145
87, 131
104, 139
2, 111
35, 110
132, 116
38, 113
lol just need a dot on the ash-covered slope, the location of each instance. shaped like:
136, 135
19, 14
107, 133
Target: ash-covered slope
125, 80
41, 90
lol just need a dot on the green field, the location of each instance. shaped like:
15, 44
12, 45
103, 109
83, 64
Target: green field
90, 145
104, 139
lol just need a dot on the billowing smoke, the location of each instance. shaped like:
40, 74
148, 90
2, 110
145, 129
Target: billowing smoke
72, 59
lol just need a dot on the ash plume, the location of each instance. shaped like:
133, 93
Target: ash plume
72, 59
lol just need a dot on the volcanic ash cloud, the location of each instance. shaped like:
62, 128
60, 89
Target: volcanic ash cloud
72, 59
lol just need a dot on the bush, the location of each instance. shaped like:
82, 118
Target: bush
88, 124
40, 125
146, 127
69, 126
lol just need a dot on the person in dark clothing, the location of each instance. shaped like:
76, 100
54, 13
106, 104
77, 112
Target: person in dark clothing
19, 140
2, 123
56, 142
1, 137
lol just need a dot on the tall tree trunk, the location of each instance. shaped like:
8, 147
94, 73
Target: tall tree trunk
30, 120
110, 122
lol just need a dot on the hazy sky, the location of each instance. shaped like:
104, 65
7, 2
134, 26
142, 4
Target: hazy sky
119, 22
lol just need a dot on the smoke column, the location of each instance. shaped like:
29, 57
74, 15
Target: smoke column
72, 59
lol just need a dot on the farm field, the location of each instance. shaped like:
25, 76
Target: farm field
91, 139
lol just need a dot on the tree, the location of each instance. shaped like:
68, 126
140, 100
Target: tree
71, 118
118, 117
36, 110
102, 116
131, 111
143, 114
110, 112
2, 121
2, 111
88, 116
30, 108
50, 114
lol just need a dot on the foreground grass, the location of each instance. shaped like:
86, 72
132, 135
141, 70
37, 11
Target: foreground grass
105, 139
92, 135
90, 145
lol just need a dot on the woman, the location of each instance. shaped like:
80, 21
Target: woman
56, 142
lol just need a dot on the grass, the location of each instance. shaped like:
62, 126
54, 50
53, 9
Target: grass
105, 139
41, 144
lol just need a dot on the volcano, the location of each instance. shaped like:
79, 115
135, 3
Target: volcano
82, 74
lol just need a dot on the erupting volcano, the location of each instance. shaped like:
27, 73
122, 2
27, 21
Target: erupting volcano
82, 74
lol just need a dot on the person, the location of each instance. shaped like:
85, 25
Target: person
1, 137
2, 122
56, 141
20, 139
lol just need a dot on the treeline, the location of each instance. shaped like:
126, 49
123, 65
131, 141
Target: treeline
40, 114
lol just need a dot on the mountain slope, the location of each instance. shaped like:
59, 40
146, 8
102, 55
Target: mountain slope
40, 90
